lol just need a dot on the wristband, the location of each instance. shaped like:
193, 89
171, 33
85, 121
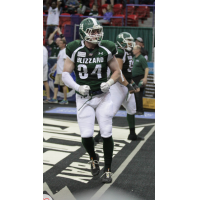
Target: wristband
110, 82
130, 87
135, 86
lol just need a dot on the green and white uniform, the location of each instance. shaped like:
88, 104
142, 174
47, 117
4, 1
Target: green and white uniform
119, 93
91, 66
91, 69
127, 57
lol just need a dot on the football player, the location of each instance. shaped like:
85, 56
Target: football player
120, 92
89, 59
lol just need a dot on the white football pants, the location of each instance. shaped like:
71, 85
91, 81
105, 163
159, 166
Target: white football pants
119, 97
100, 106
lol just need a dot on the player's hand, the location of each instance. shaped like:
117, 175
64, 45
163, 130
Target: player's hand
84, 89
131, 89
135, 88
105, 87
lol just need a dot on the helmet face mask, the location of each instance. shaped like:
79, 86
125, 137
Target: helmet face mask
125, 41
91, 31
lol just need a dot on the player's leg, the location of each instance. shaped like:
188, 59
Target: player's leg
130, 107
86, 119
104, 115
117, 96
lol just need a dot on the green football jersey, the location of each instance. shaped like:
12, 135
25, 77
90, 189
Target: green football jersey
91, 66
127, 57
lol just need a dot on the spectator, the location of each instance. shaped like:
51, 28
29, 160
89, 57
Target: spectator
94, 11
53, 16
140, 72
107, 2
72, 6
45, 74
144, 52
58, 79
106, 15
55, 45
85, 5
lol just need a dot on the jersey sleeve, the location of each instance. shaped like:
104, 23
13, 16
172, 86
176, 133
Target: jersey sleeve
72, 48
119, 54
113, 48
110, 48
68, 50
144, 63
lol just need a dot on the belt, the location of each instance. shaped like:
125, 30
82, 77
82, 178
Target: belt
91, 93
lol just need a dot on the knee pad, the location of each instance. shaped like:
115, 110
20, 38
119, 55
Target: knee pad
86, 134
131, 112
106, 131
55, 85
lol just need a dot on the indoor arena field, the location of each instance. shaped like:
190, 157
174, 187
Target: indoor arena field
66, 171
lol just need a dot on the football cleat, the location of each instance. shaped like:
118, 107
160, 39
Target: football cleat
106, 177
95, 165
135, 137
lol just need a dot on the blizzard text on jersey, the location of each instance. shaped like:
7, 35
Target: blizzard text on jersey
90, 60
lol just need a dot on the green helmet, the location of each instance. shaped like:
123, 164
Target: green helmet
91, 31
125, 41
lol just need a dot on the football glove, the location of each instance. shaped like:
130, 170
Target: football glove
84, 89
105, 86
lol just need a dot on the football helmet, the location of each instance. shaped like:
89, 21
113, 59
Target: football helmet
125, 41
91, 31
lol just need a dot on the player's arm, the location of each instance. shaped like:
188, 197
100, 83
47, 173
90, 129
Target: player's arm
131, 88
69, 81
50, 39
114, 67
123, 82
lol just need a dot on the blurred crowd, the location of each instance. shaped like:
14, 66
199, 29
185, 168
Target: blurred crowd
82, 6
